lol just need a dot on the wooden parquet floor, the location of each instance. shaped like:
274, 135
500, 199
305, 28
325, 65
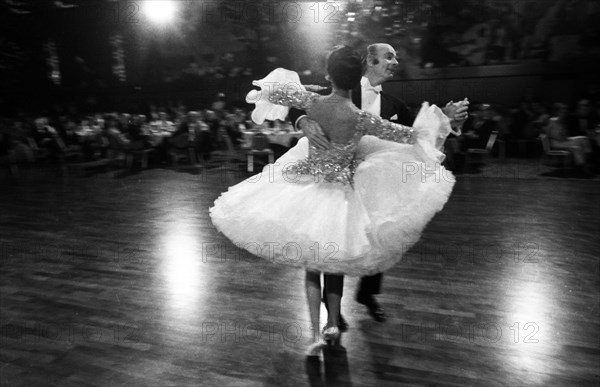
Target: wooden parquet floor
123, 281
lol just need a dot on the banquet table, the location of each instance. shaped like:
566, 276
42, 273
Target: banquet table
87, 134
156, 137
279, 138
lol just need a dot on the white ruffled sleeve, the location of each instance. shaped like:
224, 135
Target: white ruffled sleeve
432, 127
279, 91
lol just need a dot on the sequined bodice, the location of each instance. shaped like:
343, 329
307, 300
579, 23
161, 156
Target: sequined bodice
337, 164
334, 165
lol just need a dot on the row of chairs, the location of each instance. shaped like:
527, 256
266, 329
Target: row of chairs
34, 153
550, 156
481, 152
260, 147
181, 147
564, 156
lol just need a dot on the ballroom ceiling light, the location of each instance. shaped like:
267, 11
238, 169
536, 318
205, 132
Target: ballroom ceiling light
160, 11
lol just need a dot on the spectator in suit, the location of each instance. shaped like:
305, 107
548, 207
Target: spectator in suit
584, 121
46, 137
136, 133
558, 134
233, 129
479, 127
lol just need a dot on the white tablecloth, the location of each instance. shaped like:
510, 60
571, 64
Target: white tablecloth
283, 138
156, 137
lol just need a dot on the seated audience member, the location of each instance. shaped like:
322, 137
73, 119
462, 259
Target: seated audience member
233, 130
186, 126
136, 133
163, 122
153, 113
117, 139
537, 122
558, 135
123, 121
203, 137
214, 123
220, 102
5, 140
478, 127
594, 137
69, 129
201, 122
21, 135
46, 137
517, 120
240, 119
584, 121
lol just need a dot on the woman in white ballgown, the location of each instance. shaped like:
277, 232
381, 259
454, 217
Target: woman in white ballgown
352, 209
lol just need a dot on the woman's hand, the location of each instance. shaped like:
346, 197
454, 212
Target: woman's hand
458, 112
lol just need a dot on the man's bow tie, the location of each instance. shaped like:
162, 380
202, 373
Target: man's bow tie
374, 89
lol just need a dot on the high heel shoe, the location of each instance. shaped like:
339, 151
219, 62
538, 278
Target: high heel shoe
331, 334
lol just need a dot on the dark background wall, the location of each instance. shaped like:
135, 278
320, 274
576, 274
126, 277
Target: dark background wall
493, 51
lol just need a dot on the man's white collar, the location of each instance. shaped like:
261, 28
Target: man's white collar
366, 85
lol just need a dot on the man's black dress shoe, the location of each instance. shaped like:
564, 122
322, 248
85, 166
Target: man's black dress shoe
375, 310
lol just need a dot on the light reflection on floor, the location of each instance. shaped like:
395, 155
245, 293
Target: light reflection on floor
530, 320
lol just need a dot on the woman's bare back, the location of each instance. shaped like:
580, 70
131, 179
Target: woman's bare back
337, 117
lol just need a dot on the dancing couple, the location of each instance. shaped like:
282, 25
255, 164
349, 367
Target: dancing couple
348, 207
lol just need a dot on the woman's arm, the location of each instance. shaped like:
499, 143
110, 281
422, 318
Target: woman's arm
386, 130
293, 98
279, 91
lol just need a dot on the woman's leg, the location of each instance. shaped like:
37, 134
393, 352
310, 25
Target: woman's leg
334, 285
313, 295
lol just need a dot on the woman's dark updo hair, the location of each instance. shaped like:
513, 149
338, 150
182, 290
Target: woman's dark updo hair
344, 66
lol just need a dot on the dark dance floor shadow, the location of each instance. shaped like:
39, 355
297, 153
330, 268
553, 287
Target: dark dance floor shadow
335, 366
567, 174
313, 371
472, 169
125, 173
189, 169
337, 372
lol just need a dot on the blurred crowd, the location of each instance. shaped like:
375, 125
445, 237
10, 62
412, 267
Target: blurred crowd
523, 130
530, 129
164, 131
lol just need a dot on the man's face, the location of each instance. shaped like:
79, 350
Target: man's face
385, 64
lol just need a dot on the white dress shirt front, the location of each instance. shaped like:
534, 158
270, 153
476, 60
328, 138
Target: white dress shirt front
370, 97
